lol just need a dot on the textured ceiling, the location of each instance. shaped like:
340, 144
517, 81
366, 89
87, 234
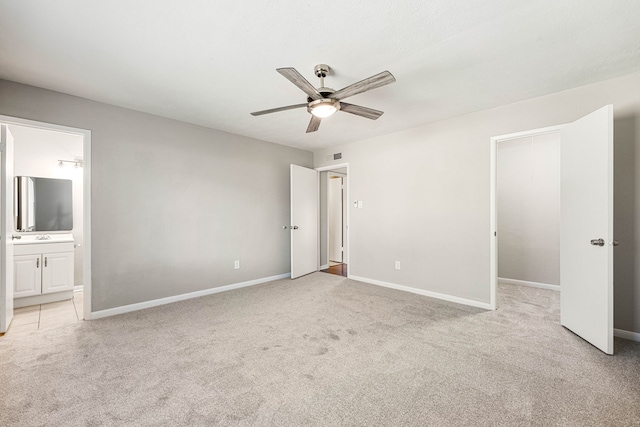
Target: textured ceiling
213, 62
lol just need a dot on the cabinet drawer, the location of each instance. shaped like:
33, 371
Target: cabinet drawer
42, 248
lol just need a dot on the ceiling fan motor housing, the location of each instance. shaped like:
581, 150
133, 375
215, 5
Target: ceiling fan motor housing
324, 91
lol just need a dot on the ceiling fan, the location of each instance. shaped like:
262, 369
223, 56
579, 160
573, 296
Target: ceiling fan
323, 101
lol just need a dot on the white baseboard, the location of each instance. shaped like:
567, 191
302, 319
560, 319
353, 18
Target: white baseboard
162, 301
451, 298
79, 288
627, 335
530, 284
42, 299
324, 267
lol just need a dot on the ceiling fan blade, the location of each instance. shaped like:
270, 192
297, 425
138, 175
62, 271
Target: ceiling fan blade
314, 124
380, 79
297, 79
369, 113
275, 110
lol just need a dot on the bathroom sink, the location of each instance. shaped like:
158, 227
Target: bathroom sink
31, 239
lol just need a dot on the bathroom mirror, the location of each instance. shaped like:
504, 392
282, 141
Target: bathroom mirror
43, 204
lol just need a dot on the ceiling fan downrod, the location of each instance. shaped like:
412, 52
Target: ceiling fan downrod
321, 71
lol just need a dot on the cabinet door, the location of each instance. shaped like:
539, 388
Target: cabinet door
57, 272
27, 276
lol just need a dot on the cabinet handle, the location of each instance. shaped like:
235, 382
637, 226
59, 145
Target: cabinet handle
37, 262
45, 261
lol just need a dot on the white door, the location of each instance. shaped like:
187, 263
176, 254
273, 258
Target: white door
304, 221
334, 200
6, 228
586, 228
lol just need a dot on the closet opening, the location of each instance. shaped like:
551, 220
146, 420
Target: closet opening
528, 211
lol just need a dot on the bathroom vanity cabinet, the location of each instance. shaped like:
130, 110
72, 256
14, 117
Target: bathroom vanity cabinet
43, 268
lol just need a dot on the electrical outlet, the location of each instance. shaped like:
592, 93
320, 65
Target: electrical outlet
236, 264
397, 265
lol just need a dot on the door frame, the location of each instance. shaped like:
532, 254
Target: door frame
347, 240
86, 183
493, 202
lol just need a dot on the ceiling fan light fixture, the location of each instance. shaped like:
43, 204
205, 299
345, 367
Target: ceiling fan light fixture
323, 108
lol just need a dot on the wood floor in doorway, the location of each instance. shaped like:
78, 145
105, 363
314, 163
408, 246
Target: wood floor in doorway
338, 269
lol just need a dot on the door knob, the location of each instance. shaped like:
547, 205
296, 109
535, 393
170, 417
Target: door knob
597, 242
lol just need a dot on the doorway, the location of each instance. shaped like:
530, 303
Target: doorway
586, 224
528, 210
44, 158
509, 153
334, 212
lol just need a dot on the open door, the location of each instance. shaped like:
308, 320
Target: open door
6, 228
304, 221
586, 228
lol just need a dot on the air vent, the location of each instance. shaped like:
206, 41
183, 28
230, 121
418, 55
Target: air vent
337, 156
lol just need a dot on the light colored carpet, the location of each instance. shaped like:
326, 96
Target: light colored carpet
320, 350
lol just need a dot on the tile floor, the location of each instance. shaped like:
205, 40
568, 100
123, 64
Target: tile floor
46, 316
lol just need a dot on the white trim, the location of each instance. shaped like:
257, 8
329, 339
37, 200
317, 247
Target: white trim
162, 301
627, 335
445, 297
79, 288
493, 226
86, 205
324, 267
530, 284
493, 208
526, 133
87, 286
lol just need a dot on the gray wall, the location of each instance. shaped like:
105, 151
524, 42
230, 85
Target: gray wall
433, 216
528, 209
173, 204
